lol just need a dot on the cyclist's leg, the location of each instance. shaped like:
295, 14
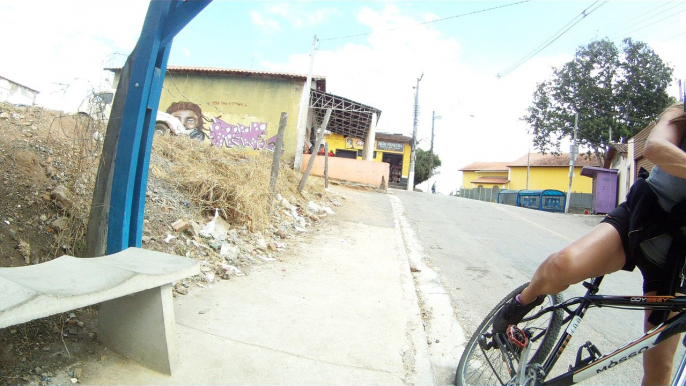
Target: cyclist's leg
657, 362
597, 253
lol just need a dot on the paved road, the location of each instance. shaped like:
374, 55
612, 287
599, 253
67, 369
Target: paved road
484, 250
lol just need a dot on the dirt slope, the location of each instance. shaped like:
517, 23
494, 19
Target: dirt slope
48, 162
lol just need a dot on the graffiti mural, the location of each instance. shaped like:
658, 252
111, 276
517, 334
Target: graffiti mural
225, 134
221, 134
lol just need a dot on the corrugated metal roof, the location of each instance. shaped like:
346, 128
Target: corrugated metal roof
552, 160
485, 167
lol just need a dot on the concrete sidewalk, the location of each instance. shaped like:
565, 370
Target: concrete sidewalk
342, 310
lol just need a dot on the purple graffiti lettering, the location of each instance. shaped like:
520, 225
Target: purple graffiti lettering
222, 133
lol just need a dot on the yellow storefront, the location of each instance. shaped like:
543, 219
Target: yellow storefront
393, 149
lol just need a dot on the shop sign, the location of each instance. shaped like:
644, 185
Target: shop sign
393, 146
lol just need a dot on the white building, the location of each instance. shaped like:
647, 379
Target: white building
16, 93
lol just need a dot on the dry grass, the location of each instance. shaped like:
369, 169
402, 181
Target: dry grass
232, 180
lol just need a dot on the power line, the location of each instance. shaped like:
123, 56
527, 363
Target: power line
555, 36
433, 21
614, 28
645, 19
655, 22
672, 37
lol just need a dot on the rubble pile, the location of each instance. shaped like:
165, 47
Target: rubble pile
210, 204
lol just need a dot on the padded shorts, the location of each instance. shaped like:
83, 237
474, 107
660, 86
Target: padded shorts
619, 219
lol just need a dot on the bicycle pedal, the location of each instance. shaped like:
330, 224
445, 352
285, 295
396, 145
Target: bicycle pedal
593, 354
517, 337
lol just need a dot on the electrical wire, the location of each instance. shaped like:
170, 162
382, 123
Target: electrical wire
432, 21
655, 22
615, 28
633, 25
553, 38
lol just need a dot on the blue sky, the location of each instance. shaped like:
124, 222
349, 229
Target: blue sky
66, 43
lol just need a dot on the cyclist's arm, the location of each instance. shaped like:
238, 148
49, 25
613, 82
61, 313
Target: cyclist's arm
662, 145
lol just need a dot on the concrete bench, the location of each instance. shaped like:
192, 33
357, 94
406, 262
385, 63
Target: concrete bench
133, 287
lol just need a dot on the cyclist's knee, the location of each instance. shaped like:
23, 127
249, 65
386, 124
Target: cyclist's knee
560, 267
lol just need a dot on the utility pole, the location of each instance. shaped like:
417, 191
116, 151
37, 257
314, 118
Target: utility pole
413, 153
528, 166
431, 151
304, 112
572, 156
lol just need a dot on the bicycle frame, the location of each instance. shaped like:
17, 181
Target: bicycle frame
671, 327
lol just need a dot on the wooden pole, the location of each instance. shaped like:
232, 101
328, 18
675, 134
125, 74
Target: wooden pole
276, 162
96, 232
326, 165
320, 138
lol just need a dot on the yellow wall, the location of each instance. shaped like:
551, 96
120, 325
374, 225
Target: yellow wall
469, 176
550, 178
239, 100
337, 141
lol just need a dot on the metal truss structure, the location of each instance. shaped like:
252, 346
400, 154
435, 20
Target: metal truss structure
348, 118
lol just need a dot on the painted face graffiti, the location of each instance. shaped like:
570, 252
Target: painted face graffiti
188, 118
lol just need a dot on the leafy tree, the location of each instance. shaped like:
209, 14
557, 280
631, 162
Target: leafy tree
421, 166
610, 89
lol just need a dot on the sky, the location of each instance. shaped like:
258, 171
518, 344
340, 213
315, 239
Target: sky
372, 52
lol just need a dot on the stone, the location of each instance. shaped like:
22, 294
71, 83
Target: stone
146, 239
25, 250
314, 217
60, 224
281, 233
261, 245
287, 205
180, 289
228, 252
180, 225
195, 230
62, 198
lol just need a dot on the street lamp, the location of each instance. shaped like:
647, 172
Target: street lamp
434, 117
413, 153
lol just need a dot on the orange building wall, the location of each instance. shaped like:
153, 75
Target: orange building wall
345, 169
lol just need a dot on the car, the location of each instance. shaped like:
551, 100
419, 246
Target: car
166, 123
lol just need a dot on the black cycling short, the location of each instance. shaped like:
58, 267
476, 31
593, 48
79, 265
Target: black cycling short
619, 219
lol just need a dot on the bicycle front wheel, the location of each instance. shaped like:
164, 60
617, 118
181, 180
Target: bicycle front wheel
483, 363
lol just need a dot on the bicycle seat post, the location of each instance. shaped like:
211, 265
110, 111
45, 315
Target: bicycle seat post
593, 286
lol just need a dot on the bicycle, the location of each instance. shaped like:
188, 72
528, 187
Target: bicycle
527, 353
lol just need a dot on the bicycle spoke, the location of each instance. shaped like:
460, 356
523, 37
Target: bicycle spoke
494, 362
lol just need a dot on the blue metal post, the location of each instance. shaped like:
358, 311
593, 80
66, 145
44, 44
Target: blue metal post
130, 180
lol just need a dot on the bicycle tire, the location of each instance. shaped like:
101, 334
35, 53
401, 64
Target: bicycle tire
474, 368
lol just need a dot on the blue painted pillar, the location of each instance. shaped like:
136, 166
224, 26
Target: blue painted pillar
130, 180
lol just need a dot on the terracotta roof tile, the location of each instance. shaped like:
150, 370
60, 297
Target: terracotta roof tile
552, 160
393, 137
219, 71
485, 166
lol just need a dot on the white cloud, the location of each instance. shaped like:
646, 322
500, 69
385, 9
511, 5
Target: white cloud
50, 44
300, 16
265, 24
186, 52
480, 113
